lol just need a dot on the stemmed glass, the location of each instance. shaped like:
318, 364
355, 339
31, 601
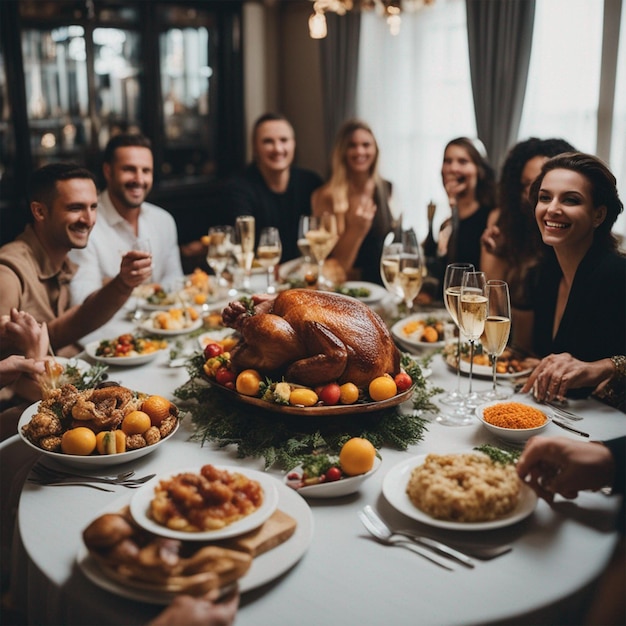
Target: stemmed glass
472, 315
451, 290
219, 251
244, 251
322, 235
268, 253
141, 244
497, 330
401, 268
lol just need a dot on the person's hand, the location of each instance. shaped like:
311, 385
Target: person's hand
557, 373
454, 186
189, 611
551, 465
136, 268
24, 334
360, 220
15, 365
492, 239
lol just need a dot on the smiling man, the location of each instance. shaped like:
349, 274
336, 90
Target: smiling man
271, 188
35, 269
125, 220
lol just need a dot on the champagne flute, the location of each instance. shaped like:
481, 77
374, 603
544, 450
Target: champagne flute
219, 251
472, 314
322, 236
268, 254
390, 267
410, 270
497, 330
141, 244
244, 229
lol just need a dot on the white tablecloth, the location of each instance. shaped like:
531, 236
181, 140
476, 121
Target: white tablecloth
344, 577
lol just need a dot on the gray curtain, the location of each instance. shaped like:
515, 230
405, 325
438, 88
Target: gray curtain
340, 62
499, 36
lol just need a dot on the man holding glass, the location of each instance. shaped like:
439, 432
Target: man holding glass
271, 189
126, 221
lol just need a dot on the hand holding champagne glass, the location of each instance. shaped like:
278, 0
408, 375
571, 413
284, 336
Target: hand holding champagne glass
268, 254
244, 229
497, 330
472, 314
322, 236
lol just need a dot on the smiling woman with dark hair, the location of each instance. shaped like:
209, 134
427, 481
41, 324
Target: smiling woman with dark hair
580, 300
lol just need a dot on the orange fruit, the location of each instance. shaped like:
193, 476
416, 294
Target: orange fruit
348, 393
80, 441
248, 383
430, 334
111, 441
157, 408
136, 423
302, 396
382, 388
357, 456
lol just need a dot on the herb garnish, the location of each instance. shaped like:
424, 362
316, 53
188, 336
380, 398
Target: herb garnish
504, 456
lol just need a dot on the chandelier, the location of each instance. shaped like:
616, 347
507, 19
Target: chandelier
391, 10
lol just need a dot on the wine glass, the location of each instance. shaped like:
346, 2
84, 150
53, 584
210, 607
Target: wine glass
219, 251
401, 267
472, 314
244, 250
322, 235
268, 253
497, 330
141, 244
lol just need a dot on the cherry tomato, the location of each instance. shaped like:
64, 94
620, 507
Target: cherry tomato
329, 394
403, 381
333, 474
224, 376
212, 349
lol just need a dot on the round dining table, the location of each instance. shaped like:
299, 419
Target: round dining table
333, 572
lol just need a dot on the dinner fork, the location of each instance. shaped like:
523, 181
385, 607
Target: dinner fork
483, 553
47, 476
564, 412
401, 543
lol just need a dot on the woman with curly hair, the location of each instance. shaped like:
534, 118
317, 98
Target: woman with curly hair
511, 243
361, 200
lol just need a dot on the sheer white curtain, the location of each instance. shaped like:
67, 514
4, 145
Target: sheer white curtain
414, 90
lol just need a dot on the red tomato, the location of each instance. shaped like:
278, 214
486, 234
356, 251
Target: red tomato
224, 376
403, 381
333, 474
212, 349
329, 394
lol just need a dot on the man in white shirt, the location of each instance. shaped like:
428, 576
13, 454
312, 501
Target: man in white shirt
124, 219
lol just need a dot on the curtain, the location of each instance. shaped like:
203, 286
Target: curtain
340, 62
499, 41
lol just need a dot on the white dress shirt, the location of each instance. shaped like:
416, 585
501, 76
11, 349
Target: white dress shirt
112, 236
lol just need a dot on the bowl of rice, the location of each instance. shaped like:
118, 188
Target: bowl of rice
513, 422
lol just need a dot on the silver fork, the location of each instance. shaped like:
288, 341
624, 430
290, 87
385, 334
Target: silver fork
483, 553
564, 413
400, 543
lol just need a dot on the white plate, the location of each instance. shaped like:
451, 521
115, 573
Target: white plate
79, 364
377, 292
410, 343
140, 507
336, 489
122, 361
92, 461
264, 569
394, 490
148, 326
484, 371
214, 335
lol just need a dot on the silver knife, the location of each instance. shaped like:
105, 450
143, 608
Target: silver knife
572, 430
443, 549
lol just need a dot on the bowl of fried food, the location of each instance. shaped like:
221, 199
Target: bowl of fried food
513, 422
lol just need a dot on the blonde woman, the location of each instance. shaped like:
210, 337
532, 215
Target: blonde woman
360, 198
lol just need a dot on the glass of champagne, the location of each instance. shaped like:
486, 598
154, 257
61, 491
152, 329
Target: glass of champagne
244, 235
401, 267
219, 251
472, 314
497, 330
141, 244
390, 267
451, 290
322, 236
268, 254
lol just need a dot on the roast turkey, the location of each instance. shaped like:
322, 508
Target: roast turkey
312, 338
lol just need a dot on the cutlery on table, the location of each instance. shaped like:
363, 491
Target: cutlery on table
70, 484
563, 412
567, 427
383, 531
48, 476
401, 543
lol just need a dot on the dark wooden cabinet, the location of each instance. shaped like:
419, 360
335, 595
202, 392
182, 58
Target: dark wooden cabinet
72, 73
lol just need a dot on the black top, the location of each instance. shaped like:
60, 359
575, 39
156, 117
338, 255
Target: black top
593, 326
248, 194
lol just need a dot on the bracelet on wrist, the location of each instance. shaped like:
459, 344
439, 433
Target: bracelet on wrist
619, 361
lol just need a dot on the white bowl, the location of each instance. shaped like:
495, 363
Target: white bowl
337, 488
517, 436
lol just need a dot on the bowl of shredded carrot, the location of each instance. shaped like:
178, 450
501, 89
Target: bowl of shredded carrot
513, 422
